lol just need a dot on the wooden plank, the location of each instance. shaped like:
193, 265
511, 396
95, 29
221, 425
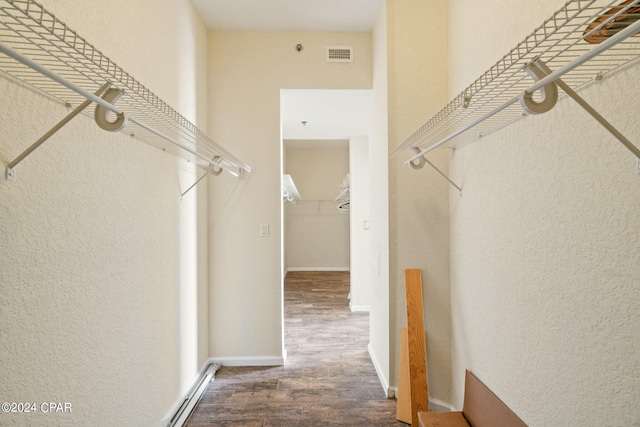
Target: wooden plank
417, 347
403, 399
483, 408
443, 419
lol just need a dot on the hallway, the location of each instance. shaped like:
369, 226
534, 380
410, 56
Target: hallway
328, 379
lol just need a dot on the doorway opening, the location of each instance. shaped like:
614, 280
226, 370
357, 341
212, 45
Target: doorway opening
324, 154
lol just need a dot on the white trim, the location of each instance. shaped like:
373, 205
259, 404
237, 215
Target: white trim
439, 406
435, 405
249, 360
393, 393
383, 380
317, 269
359, 307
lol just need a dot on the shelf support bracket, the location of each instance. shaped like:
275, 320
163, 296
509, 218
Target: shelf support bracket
419, 164
589, 109
213, 169
10, 170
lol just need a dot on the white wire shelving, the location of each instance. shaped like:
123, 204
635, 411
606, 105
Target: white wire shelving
41, 51
344, 199
289, 190
583, 41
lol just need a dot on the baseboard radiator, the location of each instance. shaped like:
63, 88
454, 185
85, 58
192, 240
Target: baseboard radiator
184, 410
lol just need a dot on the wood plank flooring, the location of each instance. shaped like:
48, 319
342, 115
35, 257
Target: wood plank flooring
328, 378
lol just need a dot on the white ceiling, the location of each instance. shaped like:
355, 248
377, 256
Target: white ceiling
329, 114
288, 15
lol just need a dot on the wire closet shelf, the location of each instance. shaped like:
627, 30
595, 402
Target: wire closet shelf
42, 52
582, 42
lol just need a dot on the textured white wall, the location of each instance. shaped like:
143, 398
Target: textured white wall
545, 256
418, 199
317, 233
90, 249
247, 72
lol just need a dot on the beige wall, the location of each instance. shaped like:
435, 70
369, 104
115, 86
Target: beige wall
409, 209
247, 72
317, 233
545, 259
418, 200
318, 172
98, 256
379, 206
359, 215
94, 233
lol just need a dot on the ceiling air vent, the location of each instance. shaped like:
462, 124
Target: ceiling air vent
339, 53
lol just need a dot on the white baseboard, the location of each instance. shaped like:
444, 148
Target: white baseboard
317, 269
393, 393
249, 360
438, 405
384, 381
435, 405
359, 307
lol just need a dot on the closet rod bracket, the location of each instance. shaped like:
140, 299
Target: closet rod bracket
538, 70
588, 108
10, 170
214, 169
419, 164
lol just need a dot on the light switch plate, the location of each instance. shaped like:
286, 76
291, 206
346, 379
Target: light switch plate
264, 230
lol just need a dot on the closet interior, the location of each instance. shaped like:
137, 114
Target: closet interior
42, 52
581, 43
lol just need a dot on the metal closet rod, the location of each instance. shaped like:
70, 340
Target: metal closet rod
226, 157
47, 73
550, 78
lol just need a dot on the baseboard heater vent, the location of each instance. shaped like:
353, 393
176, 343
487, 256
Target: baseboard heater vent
339, 54
182, 413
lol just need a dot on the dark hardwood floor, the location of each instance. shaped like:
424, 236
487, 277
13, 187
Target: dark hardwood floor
328, 378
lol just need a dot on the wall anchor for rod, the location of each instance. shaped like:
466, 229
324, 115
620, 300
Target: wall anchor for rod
422, 160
